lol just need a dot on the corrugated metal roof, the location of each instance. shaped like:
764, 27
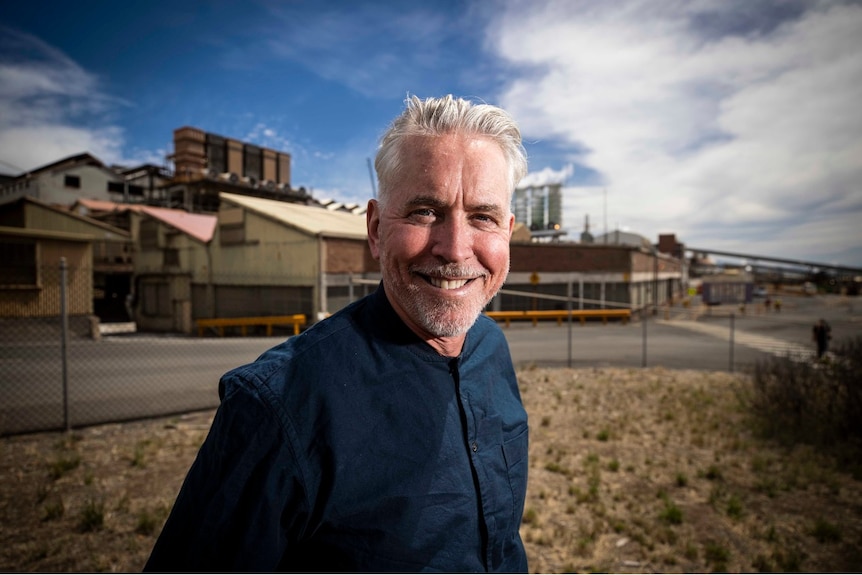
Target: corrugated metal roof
310, 219
199, 226
105, 205
47, 234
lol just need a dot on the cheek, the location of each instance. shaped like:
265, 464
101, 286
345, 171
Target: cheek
405, 242
493, 252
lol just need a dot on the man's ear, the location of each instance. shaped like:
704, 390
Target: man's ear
372, 222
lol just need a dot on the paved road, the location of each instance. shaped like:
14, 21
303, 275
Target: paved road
126, 377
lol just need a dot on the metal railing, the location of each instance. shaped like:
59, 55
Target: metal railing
57, 373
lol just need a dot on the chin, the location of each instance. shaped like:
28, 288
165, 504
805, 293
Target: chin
448, 319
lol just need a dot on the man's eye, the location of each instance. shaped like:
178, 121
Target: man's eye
485, 219
423, 213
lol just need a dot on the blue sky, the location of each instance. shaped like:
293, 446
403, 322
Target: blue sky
735, 124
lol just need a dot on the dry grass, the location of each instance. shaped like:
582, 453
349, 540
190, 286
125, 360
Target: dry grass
631, 470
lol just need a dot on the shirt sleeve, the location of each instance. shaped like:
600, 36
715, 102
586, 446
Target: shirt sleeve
242, 500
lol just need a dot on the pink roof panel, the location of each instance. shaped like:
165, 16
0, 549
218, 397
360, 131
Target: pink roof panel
199, 226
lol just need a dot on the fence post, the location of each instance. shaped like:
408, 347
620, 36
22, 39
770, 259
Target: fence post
64, 341
644, 315
732, 320
569, 308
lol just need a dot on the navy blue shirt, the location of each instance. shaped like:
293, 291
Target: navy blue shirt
357, 447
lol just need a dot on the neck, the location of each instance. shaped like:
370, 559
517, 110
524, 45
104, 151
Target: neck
447, 346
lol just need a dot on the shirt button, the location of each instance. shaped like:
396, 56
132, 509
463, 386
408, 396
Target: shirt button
474, 447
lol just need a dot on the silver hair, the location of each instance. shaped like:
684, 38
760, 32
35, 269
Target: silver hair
448, 115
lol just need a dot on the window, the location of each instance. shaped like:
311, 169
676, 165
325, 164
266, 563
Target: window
18, 266
171, 257
252, 162
72, 181
116, 187
149, 234
216, 153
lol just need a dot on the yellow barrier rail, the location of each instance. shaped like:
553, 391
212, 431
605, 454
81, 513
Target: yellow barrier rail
581, 314
296, 320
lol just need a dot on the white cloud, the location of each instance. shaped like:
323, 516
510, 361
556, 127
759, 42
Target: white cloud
725, 137
50, 107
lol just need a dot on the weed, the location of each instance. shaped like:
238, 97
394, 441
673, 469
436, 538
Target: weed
789, 560
768, 486
603, 435
140, 453
763, 564
713, 473
594, 480
759, 465
54, 510
554, 467
817, 404
92, 516
734, 507
825, 532
671, 514
716, 555
613, 465
530, 516
147, 523
666, 535
68, 441
690, 552
546, 421
65, 463
681, 480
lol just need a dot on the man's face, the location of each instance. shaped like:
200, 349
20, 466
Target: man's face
442, 235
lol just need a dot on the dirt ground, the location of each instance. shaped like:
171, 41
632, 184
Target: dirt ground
632, 470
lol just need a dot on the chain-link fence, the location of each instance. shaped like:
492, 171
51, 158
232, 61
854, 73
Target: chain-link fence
59, 368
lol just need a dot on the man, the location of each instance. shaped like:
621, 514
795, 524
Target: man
390, 436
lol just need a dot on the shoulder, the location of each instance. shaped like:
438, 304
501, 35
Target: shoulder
487, 329
299, 360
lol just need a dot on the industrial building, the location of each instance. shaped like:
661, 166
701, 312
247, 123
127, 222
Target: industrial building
224, 235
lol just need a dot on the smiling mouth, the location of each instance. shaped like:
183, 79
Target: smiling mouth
447, 284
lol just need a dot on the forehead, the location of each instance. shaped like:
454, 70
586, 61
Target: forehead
453, 163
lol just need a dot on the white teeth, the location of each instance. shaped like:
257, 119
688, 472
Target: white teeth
447, 284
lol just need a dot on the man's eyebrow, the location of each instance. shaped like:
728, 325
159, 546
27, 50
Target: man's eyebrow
435, 202
487, 209
430, 201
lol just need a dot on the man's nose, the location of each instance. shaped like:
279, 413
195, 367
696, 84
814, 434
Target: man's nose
452, 240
